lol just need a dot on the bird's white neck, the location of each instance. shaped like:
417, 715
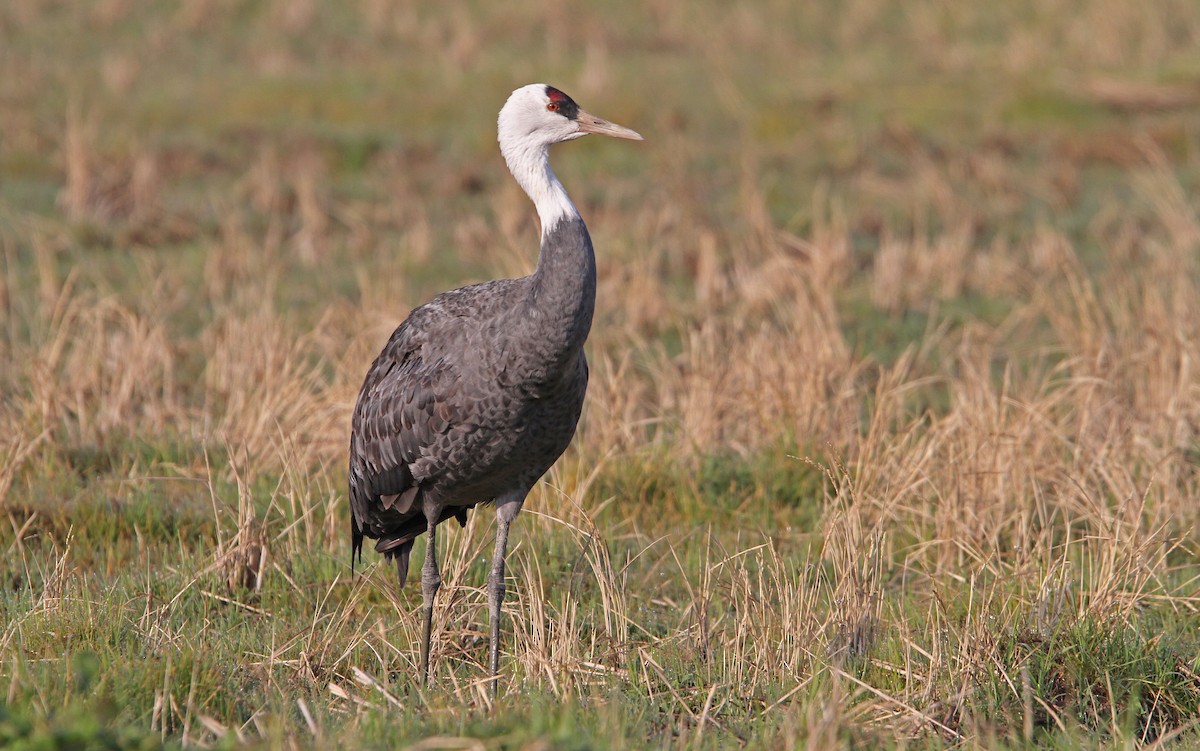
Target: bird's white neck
530, 165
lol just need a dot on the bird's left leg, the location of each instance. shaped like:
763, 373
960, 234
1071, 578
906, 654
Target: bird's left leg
506, 511
431, 581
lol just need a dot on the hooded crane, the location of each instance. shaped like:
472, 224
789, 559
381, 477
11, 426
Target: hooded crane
478, 391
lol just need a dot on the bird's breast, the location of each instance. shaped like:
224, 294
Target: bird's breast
516, 433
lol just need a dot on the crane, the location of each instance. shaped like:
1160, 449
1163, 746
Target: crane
478, 392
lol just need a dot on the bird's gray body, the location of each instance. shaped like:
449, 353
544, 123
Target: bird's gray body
474, 397
479, 391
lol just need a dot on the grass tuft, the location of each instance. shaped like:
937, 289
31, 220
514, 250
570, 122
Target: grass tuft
894, 414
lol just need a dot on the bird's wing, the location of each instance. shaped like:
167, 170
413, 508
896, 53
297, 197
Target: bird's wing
409, 401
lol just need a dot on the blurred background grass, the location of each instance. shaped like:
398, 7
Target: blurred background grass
888, 119
948, 250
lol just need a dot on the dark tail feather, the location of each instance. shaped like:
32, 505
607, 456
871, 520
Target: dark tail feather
401, 555
399, 548
356, 538
398, 544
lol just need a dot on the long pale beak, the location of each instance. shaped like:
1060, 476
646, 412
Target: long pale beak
589, 123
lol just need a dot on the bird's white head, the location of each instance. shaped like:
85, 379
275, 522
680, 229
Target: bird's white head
535, 117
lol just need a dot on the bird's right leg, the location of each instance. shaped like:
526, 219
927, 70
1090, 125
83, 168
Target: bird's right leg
431, 581
506, 511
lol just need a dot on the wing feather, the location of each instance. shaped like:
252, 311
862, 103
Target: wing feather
398, 418
412, 407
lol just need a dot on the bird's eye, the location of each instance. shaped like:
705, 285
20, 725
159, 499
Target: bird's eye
553, 106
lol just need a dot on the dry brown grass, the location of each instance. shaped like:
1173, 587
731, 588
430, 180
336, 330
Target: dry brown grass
1053, 488
982, 487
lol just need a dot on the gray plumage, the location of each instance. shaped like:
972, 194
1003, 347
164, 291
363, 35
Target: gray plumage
474, 397
479, 391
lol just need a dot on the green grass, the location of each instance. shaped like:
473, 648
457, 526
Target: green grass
95, 662
823, 497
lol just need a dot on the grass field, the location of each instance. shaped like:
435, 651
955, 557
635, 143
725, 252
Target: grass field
893, 437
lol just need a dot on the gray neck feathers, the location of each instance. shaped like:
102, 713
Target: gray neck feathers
562, 293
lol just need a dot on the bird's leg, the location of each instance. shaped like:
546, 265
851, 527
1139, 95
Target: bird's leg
505, 513
431, 581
